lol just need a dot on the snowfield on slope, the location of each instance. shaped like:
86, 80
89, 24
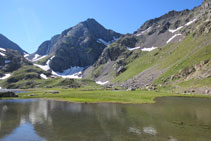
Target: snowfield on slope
2, 49
148, 49
190, 22
6, 76
37, 57
2, 54
175, 30
43, 76
131, 49
72, 72
173, 38
102, 83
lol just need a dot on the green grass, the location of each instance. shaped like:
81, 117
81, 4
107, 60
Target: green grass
97, 96
138, 65
188, 53
44, 60
173, 57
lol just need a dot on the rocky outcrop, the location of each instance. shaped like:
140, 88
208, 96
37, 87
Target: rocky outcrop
12, 60
45, 47
198, 71
7, 94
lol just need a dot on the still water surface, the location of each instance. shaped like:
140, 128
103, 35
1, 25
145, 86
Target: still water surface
171, 118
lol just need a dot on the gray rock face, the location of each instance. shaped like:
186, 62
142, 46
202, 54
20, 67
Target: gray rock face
7, 44
80, 45
172, 27
12, 61
44, 48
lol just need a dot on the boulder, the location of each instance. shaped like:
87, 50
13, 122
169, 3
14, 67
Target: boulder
131, 89
8, 94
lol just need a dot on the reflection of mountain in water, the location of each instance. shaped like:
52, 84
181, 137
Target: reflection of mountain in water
25, 132
51, 120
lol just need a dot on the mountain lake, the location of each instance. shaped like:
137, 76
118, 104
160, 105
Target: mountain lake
170, 118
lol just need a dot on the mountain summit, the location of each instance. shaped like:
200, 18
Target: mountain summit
79, 46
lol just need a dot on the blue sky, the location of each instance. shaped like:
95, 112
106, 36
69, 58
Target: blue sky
30, 22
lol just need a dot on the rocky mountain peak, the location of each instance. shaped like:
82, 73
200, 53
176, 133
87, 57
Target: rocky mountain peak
78, 46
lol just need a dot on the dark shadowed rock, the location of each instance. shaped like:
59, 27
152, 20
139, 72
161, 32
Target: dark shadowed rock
8, 44
8, 94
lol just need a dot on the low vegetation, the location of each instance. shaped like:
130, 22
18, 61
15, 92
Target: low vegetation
96, 96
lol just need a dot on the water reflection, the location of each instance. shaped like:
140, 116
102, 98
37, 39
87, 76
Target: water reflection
168, 119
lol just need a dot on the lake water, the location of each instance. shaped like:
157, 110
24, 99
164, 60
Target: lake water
171, 118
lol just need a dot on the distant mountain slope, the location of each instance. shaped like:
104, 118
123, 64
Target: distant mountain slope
8, 44
159, 52
78, 46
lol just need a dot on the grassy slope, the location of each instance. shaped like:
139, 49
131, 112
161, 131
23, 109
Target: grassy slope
44, 60
79, 95
138, 65
188, 53
174, 56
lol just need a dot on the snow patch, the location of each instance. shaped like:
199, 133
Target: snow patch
26, 55
173, 38
143, 32
147, 30
138, 34
190, 22
2, 49
103, 41
43, 67
150, 130
114, 39
2, 54
43, 76
102, 83
175, 30
7, 61
134, 130
5, 77
131, 49
72, 72
148, 49
37, 57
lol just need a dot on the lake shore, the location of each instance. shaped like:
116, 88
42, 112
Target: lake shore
101, 96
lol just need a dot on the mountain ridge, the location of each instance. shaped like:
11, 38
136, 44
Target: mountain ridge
8, 44
82, 44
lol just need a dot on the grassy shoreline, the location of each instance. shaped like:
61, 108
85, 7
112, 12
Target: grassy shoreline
101, 96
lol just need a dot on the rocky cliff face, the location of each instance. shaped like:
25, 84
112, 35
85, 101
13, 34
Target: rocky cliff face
8, 44
171, 28
11, 60
45, 47
80, 45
